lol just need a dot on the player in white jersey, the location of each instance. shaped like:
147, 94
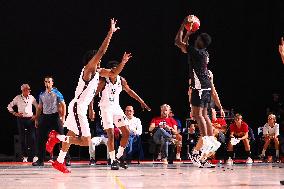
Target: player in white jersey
112, 114
76, 121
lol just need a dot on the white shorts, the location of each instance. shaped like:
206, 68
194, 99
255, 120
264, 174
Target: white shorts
113, 116
77, 120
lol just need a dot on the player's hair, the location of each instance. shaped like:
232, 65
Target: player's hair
88, 56
165, 106
112, 64
206, 39
48, 76
237, 115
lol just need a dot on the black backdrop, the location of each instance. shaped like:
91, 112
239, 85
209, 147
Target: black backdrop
50, 37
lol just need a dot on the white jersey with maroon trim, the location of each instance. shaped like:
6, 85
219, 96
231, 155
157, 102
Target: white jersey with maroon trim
85, 90
110, 94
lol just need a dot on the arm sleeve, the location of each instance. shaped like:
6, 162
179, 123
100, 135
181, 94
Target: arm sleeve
276, 129
153, 121
60, 97
12, 104
232, 128
265, 130
34, 101
139, 127
39, 99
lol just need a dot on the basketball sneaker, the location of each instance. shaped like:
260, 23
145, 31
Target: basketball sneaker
52, 140
60, 167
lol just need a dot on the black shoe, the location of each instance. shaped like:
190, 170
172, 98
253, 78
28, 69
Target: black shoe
37, 163
67, 162
277, 160
114, 165
108, 162
92, 162
122, 163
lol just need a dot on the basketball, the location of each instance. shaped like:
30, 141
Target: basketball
192, 24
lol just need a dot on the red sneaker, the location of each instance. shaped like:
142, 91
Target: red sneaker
60, 167
52, 140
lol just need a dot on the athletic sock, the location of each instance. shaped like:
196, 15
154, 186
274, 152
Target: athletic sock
119, 152
61, 156
112, 156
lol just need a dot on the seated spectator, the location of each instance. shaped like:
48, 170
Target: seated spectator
162, 128
178, 136
134, 140
191, 137
239, 132
219, 124
271, 133
100, 138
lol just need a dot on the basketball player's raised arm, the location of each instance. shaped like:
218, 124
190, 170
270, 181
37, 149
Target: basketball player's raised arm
115, 71
92, 64
281, 49
181, 41
133, 94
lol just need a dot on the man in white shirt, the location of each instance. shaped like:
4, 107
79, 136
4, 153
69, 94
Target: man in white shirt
25, 121
271, 133
135, 128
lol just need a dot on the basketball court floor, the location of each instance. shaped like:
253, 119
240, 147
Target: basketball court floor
145, 175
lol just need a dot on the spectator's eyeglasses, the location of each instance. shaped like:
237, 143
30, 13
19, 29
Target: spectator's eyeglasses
270, 118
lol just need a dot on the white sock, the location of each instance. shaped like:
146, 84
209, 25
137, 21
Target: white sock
119, 152
277, 153
92, 151
263, 152
61, 156
63, 138
112, 156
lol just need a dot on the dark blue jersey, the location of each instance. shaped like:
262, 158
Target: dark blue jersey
198, 72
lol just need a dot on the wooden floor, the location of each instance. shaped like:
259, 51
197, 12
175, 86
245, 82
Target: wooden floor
144, 175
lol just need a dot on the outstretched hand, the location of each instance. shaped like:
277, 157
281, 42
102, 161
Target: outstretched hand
113, 27
145, 106
126, 57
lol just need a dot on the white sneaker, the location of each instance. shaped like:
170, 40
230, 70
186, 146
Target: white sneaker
35, 159
206, 164
25, 159
178, 156
195, 159
249, 161
230, 161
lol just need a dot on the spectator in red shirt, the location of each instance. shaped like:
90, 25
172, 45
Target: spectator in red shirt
239, 130
163, 129
219, 124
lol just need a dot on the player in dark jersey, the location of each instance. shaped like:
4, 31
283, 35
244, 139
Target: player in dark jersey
200, 87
